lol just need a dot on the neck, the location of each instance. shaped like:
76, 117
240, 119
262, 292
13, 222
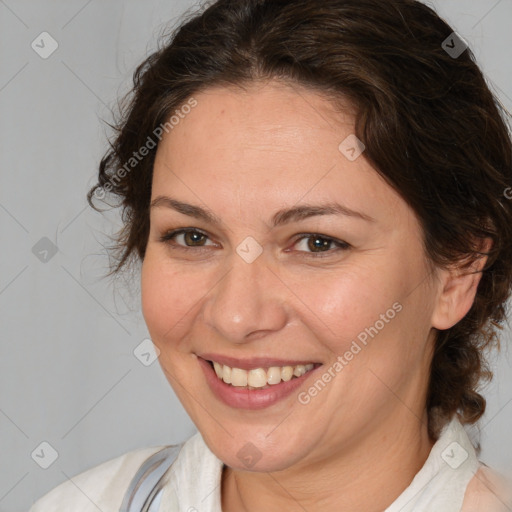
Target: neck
369, 476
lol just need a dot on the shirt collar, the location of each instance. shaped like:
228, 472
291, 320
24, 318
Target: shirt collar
195, 480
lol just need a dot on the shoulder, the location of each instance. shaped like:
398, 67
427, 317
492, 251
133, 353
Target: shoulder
488, 491
99, 488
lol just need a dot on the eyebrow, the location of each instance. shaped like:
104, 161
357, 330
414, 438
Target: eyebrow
284, 216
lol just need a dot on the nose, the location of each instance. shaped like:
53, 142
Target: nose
248, 302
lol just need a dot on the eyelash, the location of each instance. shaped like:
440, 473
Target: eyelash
169, 238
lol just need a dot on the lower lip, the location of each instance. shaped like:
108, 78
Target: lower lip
243, 398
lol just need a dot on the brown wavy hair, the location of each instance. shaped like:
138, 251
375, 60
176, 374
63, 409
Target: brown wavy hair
431, 126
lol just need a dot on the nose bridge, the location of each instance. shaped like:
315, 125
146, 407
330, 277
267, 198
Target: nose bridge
245, 301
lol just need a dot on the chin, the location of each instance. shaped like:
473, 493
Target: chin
254, 449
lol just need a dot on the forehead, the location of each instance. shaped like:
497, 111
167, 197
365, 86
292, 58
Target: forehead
271, 116
270, 143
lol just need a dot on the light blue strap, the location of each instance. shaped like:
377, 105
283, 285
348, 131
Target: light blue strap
143, 494
155, 504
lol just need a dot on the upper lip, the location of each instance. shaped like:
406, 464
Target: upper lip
253, 362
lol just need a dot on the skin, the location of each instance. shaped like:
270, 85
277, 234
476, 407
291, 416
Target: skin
245, 154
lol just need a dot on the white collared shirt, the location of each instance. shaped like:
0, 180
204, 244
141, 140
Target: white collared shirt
451, 480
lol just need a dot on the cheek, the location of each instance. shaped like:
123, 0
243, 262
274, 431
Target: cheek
370, 318
346, 304
168, 299
375, 337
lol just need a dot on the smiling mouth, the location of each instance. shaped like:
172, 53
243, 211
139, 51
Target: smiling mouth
260, 378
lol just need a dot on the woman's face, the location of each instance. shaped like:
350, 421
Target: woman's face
275, 275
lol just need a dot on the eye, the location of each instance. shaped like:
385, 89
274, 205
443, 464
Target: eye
185, 238
317, 244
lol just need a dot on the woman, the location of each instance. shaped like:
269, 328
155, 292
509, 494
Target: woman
317, 192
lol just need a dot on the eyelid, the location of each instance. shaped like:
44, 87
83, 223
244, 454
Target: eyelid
169, 236
301, 236
341, 245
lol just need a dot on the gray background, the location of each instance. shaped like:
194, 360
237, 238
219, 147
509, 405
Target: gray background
68, 374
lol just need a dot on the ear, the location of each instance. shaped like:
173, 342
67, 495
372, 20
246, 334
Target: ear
457, 290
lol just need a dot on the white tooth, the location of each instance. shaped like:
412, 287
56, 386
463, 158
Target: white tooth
257, 378
218, 369
226, 374
274, 375
238, 377
286, 373
309, 367
300, 369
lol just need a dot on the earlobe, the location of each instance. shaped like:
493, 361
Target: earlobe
457, 291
